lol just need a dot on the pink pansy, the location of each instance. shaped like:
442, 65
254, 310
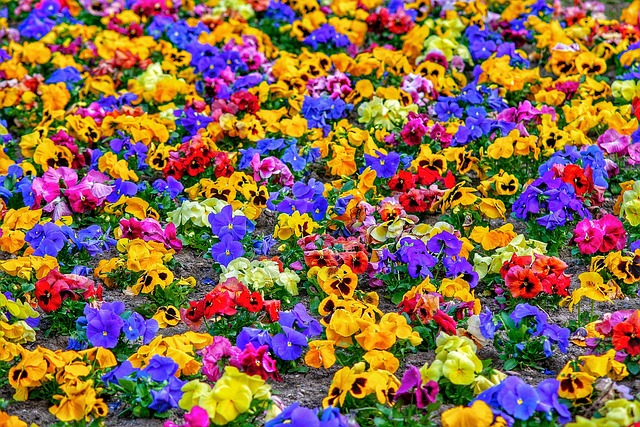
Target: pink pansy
634, 154
196, 417
171, 239
47, 187
149, 229
220, 348
263, 169
611, 167
413, 131
614, 143
614, 235
270, 166
89, 193
588, 237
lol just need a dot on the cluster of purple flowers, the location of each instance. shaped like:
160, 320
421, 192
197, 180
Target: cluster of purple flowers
158, 377
421, 257
591, 156
171, 187
327, 38
513, 399
482, 42
92, 239
46, 239
124, 145
285, 149
230, 229
295, 415
42, 19
553, 198
320, 112
103, 326
279, 14
304, 198
297, 327
180, 33
191, 120
537, 324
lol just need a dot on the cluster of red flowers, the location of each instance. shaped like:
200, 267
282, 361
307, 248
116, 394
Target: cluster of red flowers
529, 276
623, 327
430, 306
224, 300
328, 251
56, 287
581, 180
397, 23
418, 200
193, 157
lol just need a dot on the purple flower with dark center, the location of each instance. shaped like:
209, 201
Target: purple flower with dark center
226, 250
444, 242
385, 165
414, 253
160, 368
224, 223
103, 329
413, 390
289, 344
461, 267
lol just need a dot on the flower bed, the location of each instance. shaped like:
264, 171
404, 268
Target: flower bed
336, 214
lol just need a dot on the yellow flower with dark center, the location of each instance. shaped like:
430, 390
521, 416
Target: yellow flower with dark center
167, 316
339, 281
575, 384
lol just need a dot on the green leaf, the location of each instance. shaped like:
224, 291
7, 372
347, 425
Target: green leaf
507, 320
509, 364
128, 385
633, 368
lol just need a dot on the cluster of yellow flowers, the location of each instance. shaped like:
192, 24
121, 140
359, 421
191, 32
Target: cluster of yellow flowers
235, 393
261, 275
71, 371
137, 256
577, 380
181, 348
456, 361
630, 202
